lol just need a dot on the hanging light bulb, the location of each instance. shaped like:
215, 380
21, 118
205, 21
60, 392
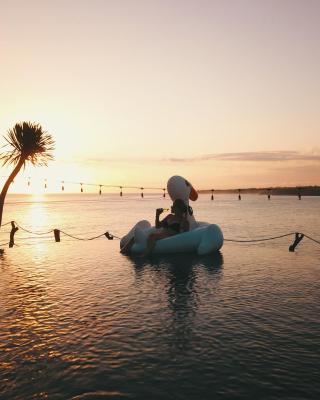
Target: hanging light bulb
164, 192
81, 188
299, 193
62, 185
29, 180
141, 192
121, 191
100, 191
45, 183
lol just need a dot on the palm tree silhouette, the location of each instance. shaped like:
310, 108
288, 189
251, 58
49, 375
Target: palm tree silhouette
29, 142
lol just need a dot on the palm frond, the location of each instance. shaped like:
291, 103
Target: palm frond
28, 142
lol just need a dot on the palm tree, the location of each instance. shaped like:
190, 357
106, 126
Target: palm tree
29, 142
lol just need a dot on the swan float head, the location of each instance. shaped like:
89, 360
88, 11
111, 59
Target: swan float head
180, 188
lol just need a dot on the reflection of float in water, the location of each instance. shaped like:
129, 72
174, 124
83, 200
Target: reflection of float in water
186, 281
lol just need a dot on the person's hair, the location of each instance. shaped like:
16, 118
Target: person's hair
180, 204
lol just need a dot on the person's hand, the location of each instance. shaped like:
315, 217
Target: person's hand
159, 211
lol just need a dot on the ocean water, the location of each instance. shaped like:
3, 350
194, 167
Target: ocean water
78, 320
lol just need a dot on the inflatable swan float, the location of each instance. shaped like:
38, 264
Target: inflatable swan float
202, 238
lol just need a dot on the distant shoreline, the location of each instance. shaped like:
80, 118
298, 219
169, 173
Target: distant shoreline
275, 191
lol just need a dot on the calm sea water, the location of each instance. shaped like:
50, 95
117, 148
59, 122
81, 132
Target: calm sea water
80, 321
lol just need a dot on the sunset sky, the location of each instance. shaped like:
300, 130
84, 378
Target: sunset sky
226, 93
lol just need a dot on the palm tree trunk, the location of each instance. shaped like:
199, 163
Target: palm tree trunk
8, 183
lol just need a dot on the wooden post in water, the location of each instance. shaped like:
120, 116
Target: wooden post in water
14, 229
297, 240
212, 197
239, 195
56, 235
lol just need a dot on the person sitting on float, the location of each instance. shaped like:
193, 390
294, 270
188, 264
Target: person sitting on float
172, 224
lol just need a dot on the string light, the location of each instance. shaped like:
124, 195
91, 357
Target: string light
299, 193
268, 191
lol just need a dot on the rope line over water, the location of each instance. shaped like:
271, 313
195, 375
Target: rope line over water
57, 232
33, 233
7, 223
16, 226
91, 238
310, 238
260, 240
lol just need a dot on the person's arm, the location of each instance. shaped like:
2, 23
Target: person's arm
159, 211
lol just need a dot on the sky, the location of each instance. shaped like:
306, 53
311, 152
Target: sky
225, 93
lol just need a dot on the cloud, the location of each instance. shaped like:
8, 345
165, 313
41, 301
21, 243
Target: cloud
256, 156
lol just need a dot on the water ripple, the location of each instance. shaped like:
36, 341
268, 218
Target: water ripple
80, 321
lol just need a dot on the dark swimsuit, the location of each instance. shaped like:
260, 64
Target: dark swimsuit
174, 226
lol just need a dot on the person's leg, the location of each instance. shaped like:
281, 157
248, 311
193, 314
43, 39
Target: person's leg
152, 239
